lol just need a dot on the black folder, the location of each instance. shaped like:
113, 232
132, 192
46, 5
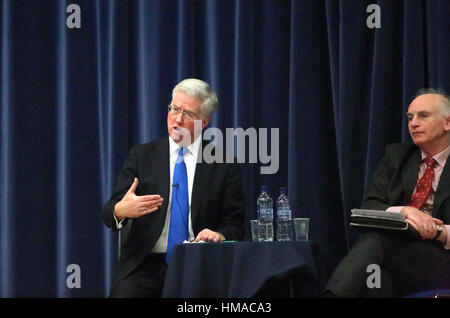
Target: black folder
365, 220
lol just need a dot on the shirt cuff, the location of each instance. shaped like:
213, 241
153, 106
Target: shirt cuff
397, 209
447, 244
119, 225
447, 227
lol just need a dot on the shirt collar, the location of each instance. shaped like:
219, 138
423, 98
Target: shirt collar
192, 148
441, 157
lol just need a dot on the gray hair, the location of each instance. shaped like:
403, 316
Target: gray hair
197, 88
444, 103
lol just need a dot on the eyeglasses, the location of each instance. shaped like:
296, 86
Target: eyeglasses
174, 109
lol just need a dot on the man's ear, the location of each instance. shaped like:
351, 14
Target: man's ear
206, 120
447, 124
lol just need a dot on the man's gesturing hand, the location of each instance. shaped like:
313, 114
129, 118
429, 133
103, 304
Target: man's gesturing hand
134, 206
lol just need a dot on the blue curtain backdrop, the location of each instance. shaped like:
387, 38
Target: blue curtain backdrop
74, 100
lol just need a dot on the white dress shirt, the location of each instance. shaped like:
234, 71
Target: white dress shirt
190, 160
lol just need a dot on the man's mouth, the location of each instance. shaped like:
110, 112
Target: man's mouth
179, 131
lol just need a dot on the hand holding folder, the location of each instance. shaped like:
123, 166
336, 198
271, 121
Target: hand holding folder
381, 220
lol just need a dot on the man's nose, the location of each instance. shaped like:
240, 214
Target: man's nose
179, 118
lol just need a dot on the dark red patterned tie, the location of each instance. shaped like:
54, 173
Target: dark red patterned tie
423, 186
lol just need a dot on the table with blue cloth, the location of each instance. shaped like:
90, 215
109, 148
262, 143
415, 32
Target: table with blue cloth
243, 269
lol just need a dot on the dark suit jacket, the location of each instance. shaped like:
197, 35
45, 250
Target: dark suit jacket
396, 176
217, 201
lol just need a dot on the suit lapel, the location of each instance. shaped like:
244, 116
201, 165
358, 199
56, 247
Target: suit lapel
410, 173
442, 191
203, 173
162, 171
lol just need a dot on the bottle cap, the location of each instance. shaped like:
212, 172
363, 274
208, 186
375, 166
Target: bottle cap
264, 188
283, 190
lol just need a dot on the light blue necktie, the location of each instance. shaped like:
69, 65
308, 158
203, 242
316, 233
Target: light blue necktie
179, 210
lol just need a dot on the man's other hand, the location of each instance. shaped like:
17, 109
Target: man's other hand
207, 235
422, 222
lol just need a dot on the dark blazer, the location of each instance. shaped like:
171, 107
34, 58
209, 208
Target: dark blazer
396, 176
217, 202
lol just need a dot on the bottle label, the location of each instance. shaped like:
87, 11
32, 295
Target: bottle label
284, 214
265, 214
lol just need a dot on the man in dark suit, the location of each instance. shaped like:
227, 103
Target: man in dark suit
213, 202
412, 179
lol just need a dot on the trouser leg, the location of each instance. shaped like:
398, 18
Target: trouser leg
350, 278
419, 265
146, 281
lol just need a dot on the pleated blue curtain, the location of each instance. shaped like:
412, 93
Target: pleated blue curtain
74, 101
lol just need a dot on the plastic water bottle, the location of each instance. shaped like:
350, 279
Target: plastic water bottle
264, 206
284, 217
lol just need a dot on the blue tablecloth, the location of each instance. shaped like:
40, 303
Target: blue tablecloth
243, 269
